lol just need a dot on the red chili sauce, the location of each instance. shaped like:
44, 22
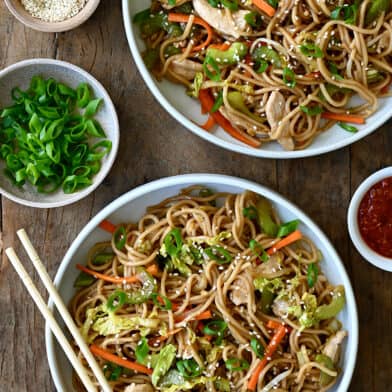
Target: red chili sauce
375, 217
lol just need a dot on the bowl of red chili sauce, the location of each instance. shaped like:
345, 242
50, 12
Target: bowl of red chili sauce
370, 219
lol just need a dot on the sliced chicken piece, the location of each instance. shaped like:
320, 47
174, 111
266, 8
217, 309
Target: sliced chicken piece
226, 22
332, 347
275, 112
271, 269
186, 68
239, 295
280, 308
139, 388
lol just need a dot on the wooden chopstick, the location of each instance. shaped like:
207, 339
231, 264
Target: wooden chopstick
63, 311
57, 331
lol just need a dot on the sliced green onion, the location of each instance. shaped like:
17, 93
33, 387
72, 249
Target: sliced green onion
236, 364
258, 250
167, 304
189, 368
45, 143
142, 351
312, 274
312, 110
309, 49
116, 300
84, 280
253, 19
214, 76
83, 95
142, 16
112, 372
289, 77
219, 254
173, 242
262, 67
347, 13
257, 347
120, 237
172, 2
216, 328
232, 5
218, 102
102, 258
273, 3
334, 71
92, 107
287, 228
214, 3
348, 128
250, 212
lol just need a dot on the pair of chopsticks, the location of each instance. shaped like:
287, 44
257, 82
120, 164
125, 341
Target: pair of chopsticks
48, 315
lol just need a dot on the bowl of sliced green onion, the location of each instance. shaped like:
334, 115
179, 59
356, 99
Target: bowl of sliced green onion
59, 133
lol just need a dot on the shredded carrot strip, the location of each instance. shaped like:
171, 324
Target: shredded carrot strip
273, 324
294, 236
107, 226
269, 351
162, 302
315, 75
161, 339
350, 118
209, 124
100, 352
183, 18
207, 102
152, 269
202, 316
265, 7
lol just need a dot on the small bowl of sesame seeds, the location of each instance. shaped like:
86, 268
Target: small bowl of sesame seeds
52, 16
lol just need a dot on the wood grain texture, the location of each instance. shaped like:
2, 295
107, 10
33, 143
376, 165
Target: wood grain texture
321, 186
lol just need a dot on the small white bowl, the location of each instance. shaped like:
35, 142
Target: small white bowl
367, 253
18, 10
20, 75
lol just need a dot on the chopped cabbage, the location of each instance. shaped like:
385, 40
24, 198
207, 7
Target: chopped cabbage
164, 361
105, 322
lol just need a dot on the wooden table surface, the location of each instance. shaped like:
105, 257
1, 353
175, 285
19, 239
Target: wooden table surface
154, 145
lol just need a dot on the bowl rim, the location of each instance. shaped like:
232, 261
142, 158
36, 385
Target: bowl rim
28, 20
218, 179
382, 262
115, 140
228, 145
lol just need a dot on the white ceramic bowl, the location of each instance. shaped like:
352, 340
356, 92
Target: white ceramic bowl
20, 75
131, 206
367, 253
187, 110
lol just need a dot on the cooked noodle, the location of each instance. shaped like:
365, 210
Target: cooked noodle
224, 288
331, 56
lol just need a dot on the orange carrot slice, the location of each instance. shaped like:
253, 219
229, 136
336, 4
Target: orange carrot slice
107, 226
183, 18
108, 356
269, 351
264, 7
350, 118
294, 236
152, 269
